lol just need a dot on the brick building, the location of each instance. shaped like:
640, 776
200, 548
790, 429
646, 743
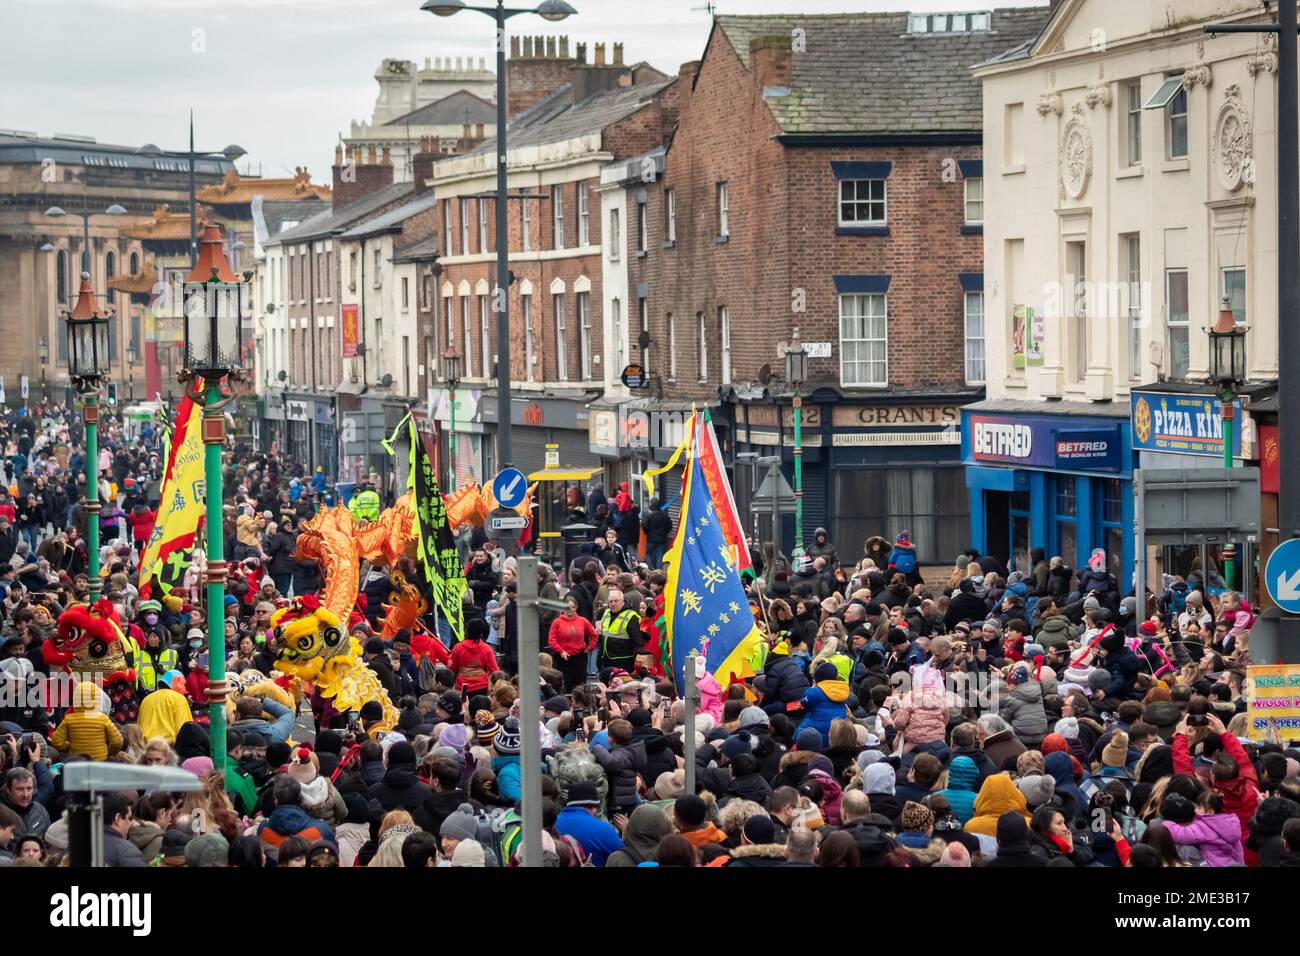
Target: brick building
825, 181
573, 118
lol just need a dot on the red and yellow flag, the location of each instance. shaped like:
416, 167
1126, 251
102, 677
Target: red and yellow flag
181, 505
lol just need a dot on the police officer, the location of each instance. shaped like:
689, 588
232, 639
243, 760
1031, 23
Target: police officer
156, 658
365, 504
620, 634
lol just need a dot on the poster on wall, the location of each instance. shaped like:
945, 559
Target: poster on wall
1273, 702
1036, 322
351, 331
1018, 336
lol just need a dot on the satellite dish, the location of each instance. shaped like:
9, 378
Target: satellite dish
765, 374
281, 375
643, 340
361, 348
270, 308
386, 381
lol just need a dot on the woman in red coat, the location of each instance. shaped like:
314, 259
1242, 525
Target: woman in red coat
572, 637
472, 660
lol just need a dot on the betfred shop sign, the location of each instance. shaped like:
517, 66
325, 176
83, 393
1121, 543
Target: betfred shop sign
1050, 443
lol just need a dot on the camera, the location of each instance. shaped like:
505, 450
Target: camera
1198, 720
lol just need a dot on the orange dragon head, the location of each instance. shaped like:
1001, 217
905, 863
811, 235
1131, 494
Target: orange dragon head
87, 639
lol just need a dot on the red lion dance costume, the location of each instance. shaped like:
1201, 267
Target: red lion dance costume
87, 644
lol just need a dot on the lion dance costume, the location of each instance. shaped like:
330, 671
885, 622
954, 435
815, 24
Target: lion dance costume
310, 637
87, 644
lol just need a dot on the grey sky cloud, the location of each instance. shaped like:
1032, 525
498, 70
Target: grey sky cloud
284, 78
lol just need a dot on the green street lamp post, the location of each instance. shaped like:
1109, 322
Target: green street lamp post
796, 373
451, 375
215, 299
1228, 372
87, 369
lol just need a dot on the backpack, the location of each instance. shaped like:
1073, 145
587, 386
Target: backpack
904, 560
426, 678
491, 824
573, 764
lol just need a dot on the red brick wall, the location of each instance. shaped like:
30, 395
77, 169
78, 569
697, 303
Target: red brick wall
783, 210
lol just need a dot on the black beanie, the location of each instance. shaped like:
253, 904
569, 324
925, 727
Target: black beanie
401, 754
329, 742
1113, 642
1177, 809
277, 754
476, 629
1012, 829
691, 810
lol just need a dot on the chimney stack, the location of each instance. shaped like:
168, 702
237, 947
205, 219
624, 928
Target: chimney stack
370, 155
771, 60
618, 54
600, 54
479, 132
387, 159
338, 155
582, 53
514, 48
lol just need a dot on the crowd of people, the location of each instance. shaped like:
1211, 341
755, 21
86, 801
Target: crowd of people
892, 715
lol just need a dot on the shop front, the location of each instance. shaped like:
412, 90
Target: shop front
546, 420
1056, 476
469, 446
1177, 430
870, 468
311, 436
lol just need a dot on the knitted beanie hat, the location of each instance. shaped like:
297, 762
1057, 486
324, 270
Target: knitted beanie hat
1115, 753
485, 727
303, 765
917, 817
1037, 788
506, 740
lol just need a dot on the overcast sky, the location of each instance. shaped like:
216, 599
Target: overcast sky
283, 78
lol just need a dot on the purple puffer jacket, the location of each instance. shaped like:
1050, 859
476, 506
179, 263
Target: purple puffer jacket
1216, 835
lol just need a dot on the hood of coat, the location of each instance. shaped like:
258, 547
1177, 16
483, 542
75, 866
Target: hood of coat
998, 795
836, 691
768, 851
646, 826
963, 774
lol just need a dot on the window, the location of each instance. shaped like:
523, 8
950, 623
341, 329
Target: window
933, 502
406, 364
110, 266
61, 278
672, 348
704, 346
482, 225
863, 354
485, 337
862, 202
112, 339
1234, 290
378, 278
724, 223
1133, 122
464, 225
468, 341
135, 263
584, 334
616, 329
1067, 512
528, 336
1131, 250
614, 240
974, 338
1112, 523
557, 215
352, 271
1176, 321
584, 216
974, 200
1178, 125
561, 341
670, 214
526, 226
406, 292
642, 228
1076, 263
446, 228
450, 317
1013, 137
724, 324
135, 337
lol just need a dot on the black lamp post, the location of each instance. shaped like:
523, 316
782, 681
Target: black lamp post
554, 11
451, 375
1228, 372
796, 373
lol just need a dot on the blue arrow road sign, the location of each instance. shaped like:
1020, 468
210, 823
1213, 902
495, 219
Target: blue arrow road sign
1282, 576
509, 487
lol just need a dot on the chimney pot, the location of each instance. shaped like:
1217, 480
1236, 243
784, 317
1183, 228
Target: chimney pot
479, 132
370, 154
426, 63
338, 155
459, 64
387, 161
482, 64
618, 54
564, 48
600, 54
582, 53
550, 48
514, 48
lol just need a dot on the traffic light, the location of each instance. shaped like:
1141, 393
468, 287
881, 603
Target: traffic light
112, 393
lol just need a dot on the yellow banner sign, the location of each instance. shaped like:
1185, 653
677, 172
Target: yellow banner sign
1273, 702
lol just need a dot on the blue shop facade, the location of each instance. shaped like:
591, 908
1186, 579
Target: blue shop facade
1050, 475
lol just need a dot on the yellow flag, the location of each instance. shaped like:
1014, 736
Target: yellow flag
181, 504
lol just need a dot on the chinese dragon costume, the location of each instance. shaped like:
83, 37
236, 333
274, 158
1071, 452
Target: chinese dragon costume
87, 644
310, 637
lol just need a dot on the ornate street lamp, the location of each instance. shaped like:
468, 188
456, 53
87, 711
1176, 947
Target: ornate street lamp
215, 299
1228, 372
87, 369
451, 375
796, 373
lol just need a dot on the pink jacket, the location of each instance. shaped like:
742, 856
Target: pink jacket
922, 717
1216, 835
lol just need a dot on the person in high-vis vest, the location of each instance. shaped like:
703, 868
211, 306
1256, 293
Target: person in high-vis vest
620, 634
365, 504
154, 659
